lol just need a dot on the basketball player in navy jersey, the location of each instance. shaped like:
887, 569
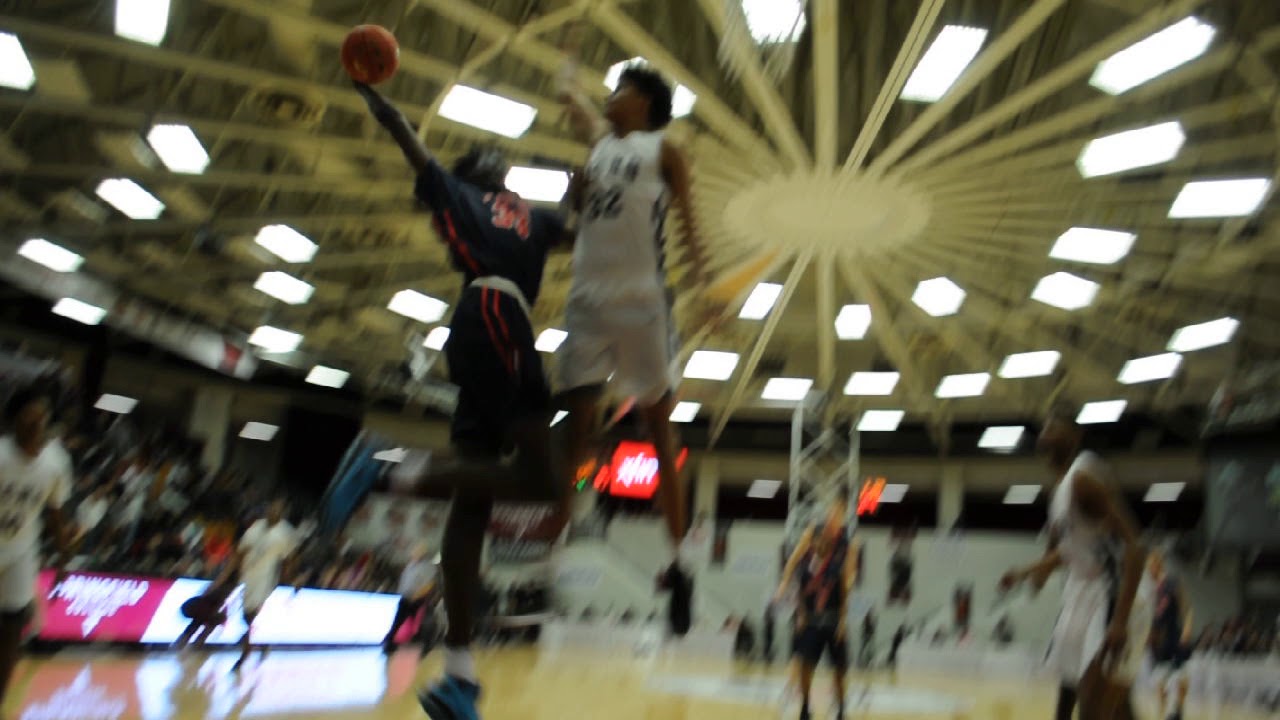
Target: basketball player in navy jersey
500, 245
1105, 618
827, 567
618, 314
1170, 637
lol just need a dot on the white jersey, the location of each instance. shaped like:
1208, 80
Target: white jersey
1087, 549
618, 256
1093, 558
265, 547
27, 487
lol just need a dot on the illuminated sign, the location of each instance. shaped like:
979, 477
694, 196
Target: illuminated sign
94, 607
869, 496
633, 472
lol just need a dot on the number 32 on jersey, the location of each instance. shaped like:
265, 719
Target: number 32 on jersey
510, 213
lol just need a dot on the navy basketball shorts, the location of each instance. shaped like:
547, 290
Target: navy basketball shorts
817, 639
498, 371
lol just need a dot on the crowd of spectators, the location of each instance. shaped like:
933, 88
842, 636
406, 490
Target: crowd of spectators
141, 502
1240, 637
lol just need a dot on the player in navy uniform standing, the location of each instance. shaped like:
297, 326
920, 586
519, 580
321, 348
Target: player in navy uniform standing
1170, 637
500, 245
827, 567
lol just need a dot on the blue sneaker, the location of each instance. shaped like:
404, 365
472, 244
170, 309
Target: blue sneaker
451, 699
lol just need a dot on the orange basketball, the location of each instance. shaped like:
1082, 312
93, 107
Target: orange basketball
370, 54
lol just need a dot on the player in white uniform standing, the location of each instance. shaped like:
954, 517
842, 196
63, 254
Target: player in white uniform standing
265, 553
618, 314
35, 481
1101, 631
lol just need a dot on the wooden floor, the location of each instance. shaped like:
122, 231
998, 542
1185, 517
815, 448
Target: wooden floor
520, 684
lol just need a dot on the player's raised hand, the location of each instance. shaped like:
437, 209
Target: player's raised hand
381, 108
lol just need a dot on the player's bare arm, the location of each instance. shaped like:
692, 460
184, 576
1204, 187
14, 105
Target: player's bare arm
390, 117
793, 562
675, 170
60, 529
849, 577
585, 120
1097, 502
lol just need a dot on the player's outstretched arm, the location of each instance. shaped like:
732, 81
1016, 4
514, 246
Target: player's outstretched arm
1097, 501
793, 562
390, 117
675, 169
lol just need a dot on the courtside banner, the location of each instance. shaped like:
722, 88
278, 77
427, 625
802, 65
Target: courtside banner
101, 607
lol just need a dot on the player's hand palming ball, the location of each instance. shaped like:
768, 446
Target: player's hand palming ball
370, 54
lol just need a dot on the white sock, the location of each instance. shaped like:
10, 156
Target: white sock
458, 663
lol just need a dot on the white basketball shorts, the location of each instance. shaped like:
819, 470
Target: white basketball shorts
636, 349
18, 582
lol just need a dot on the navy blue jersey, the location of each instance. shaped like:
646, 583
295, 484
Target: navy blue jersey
822, 581
490, 233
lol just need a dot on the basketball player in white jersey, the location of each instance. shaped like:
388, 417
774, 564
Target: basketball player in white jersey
35, 481
265, 554
1101, 631
618, 314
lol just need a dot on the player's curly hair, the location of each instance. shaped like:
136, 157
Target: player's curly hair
649, 83
24, 396
484, 167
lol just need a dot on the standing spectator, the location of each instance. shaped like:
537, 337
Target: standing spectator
417, 583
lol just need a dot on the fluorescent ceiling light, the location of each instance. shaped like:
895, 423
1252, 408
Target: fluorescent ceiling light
1131, 149
1101, 411
1164, 491
774, 21
145, 21
1220, 198
790, 389
1147, 369
79, 311
685, 411
538, 184
415, 305
118, 404
711, 365
1203, 335
15, 67
964, 385
1153, 56
760, 301
764, 489
1029, 364
258, 431
436, 338
328, 377
951, 52
286, 243
275, 340
549, 340
284, 287
871, 383
880, 420
1091, 245
938, 297
486, 111
1001, 437
129, 198
394, 455
1065, 291
178, 148
1021, 494
893, 492
853, 321
54, 257
682, 102
559, 416
682, 98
